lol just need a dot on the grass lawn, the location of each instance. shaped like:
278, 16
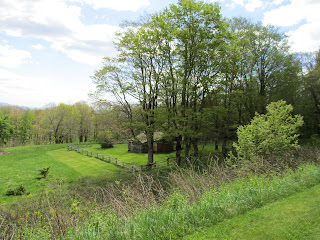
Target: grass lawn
296, 217
21, 166
120, 151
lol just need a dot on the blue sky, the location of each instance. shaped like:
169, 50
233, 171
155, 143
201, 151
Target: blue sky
50, 48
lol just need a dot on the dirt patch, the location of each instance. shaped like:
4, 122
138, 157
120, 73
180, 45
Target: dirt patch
3, 152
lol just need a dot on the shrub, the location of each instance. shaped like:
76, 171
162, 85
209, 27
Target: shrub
106, 145
104, 139
18, 191
272, 133
44, 172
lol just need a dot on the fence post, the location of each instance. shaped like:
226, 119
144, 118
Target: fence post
141, 166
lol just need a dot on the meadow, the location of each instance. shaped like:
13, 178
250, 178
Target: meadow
21, 167
85, 198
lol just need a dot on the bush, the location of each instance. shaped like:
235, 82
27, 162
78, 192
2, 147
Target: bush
271, 133
106, 145
18, 191
44, 172
104, 139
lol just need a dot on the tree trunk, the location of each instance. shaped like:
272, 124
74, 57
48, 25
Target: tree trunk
178, 150
150, 147
186, 156
195, 150
224, 147
216, 145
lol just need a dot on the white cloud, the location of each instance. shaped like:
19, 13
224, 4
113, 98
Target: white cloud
277, 2
306, 38
287, 15
119, 5
306, 12
10, 57
252, 5
59, 24
38, 46
249, 5
36, 92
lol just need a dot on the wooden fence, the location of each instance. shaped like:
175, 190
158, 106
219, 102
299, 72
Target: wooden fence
132, 167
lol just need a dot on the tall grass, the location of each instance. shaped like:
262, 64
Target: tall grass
147, 208
178, 216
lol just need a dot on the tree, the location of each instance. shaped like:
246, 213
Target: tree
169, 59
113, 78
312, 86
266, 66
25, 126
61, 122
85, 113
201, 38
272, 133
136, 73
6, 129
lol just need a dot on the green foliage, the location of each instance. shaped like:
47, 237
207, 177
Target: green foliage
25, 126
44, 172
272, 133
6, 129
18, 191
105, 139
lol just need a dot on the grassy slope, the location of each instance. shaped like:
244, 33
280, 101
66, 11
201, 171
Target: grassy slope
296, 217
21, 166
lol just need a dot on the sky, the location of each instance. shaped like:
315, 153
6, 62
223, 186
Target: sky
50, 48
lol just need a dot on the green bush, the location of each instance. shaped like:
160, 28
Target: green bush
105, 139
44, 172
272, 133
18, 191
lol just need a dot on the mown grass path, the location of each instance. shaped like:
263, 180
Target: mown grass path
295, 217
84, 165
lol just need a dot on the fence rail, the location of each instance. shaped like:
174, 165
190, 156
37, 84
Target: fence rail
132, 167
